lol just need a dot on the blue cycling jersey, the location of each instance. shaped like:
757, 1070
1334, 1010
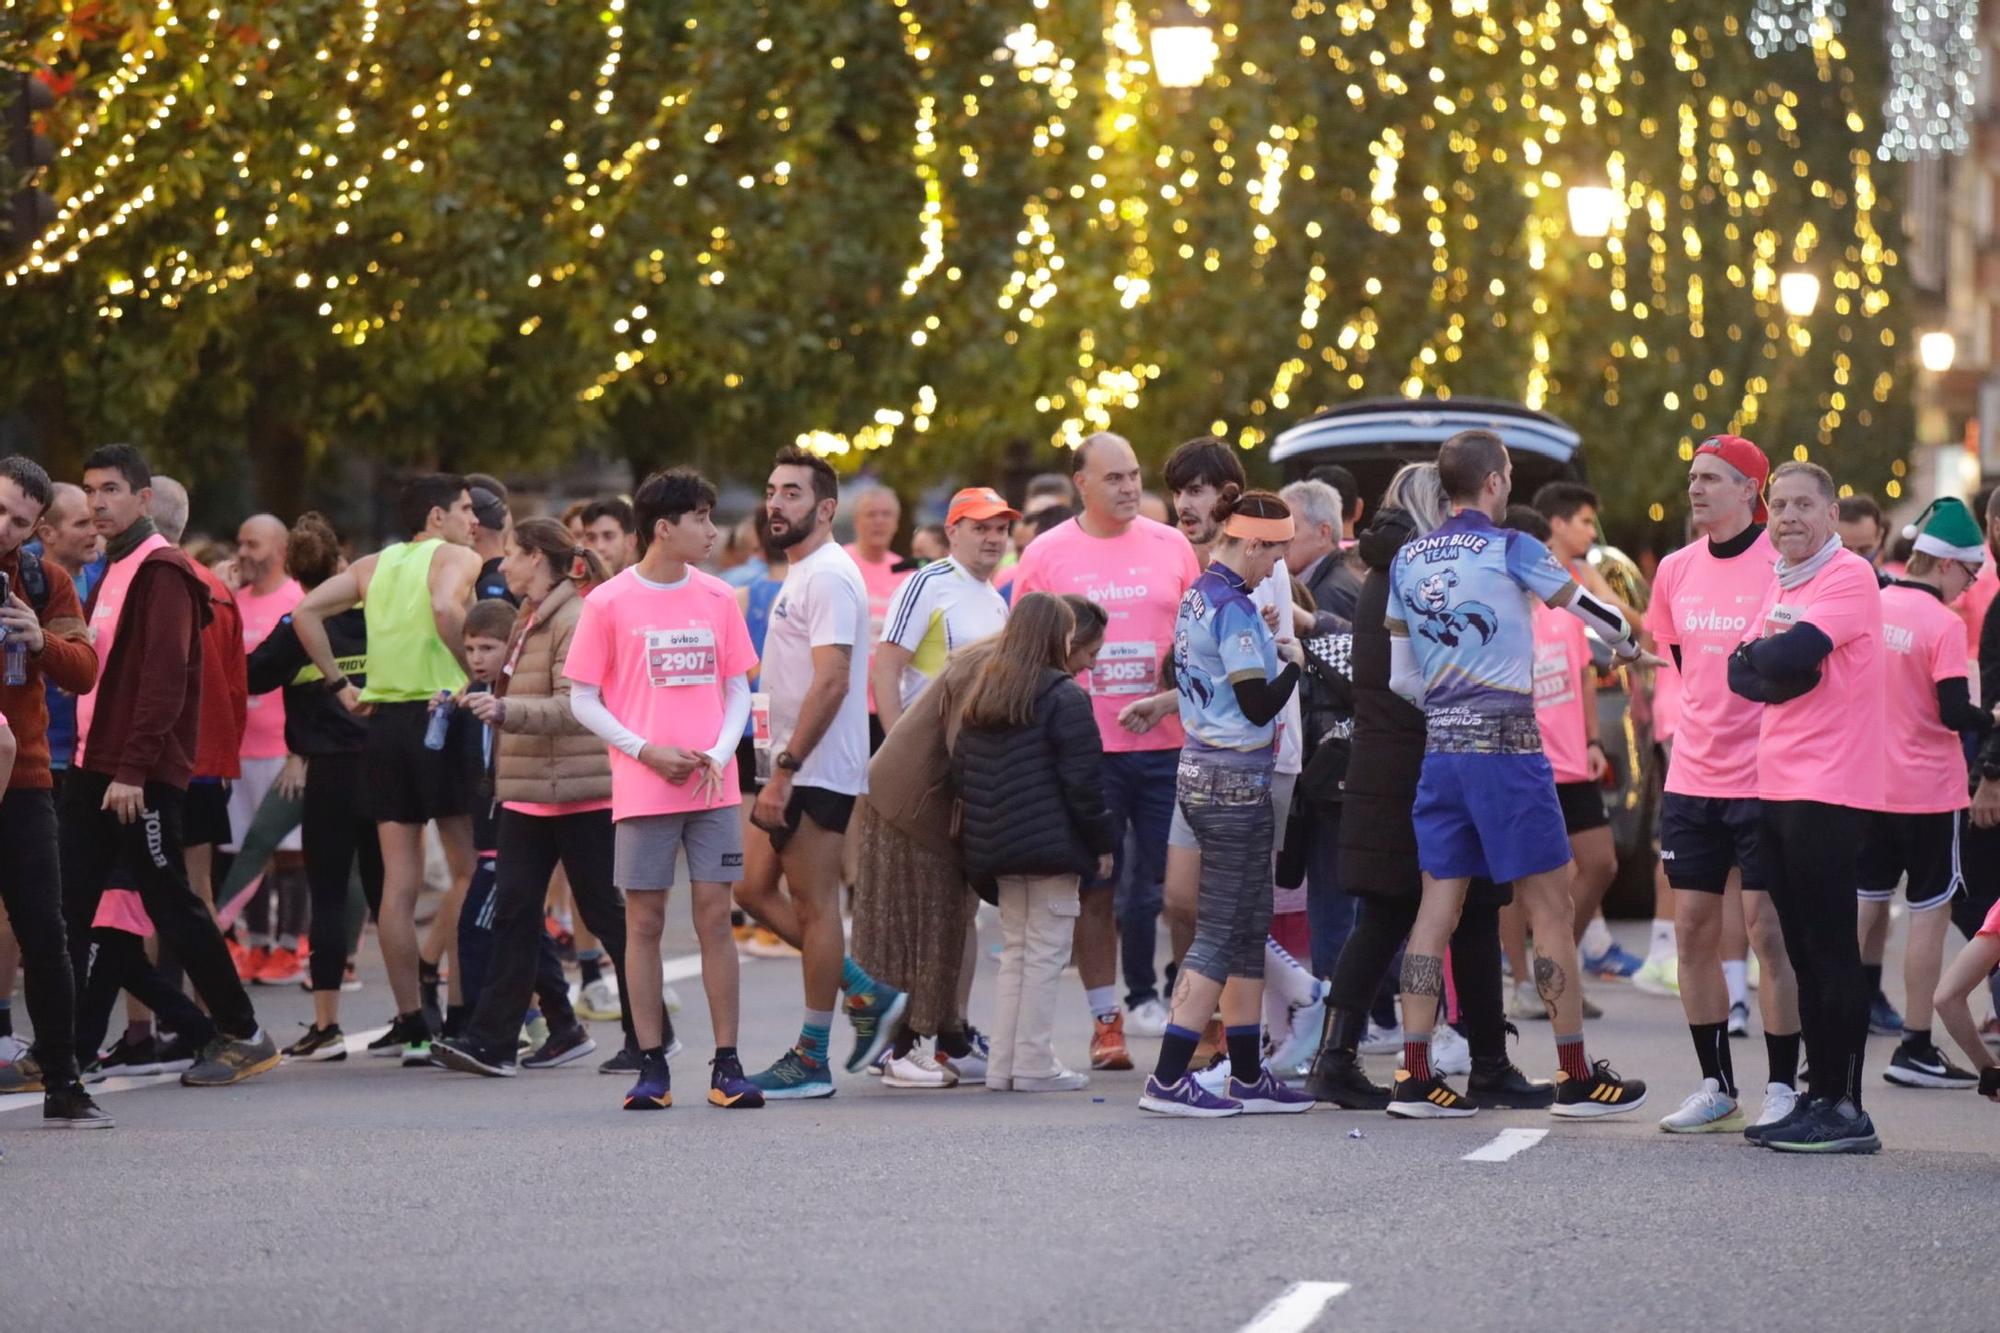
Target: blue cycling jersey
1219, 638
1461, 595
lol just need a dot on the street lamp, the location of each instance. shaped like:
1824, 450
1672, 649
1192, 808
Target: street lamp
1591, 208
1937, 350
1184, 49
1798, 293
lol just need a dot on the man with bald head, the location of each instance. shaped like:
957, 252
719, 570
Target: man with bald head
1136, 569
265, 595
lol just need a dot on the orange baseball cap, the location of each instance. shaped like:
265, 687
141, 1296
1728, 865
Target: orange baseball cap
979, 502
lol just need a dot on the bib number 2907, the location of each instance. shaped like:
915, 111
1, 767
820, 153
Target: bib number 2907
680, 656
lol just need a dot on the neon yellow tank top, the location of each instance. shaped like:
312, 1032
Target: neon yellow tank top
406, 659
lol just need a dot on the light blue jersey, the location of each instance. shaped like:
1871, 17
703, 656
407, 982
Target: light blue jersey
1220, 639
1461, 596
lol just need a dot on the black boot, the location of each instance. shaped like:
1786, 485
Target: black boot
1495, 1082
1337, 1075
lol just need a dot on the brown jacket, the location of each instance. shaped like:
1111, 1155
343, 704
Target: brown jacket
545, 755
909, 779
148, 720
67, 659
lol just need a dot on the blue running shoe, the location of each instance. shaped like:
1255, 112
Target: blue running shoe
1269, 1095
654, 1090
1883, 1020
729, 1086
1614, 964
1830, 1127
1186, 1098
874, 1014
794, 1077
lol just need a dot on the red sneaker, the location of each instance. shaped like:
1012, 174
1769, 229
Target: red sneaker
250, 962
282, 967
1107, 1044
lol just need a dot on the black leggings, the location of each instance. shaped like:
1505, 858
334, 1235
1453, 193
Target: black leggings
1811, 851
31, 894
118, 962
1380, 927
337, 833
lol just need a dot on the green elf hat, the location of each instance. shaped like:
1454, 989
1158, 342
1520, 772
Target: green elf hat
1948, 531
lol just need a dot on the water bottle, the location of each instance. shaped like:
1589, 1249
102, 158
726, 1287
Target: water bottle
440, 723
16, 669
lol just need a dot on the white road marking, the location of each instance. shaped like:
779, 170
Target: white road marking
1507, 1143
1297, 1308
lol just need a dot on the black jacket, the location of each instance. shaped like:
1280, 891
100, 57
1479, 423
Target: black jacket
1378, 846
315, 723
1032, 797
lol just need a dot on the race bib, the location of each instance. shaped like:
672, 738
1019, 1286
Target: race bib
680, 656
760, 734
1126, 668
1780, 618
1552, 684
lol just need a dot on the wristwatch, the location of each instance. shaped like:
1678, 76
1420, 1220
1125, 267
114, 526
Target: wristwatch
337, 684
788, 761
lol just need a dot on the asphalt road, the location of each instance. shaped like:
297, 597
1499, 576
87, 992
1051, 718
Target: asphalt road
361, 1196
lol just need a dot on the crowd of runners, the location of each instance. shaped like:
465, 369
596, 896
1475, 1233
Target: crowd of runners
1347, 746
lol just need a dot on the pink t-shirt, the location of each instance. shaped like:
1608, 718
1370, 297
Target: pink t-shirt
107, 602
1972, 609
1705, 606
264, 718
661, 658
881, 580
1138, 578
1923, 642
1562, 655
1666, 702
1827, 744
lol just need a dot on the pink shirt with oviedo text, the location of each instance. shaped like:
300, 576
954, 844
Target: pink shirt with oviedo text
1562, 655
1138, 578
661, 658
881, 580
1923, 642
1705, 606
1827, 744
264, 716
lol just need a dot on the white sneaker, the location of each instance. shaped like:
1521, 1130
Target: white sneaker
1215, 1078
12, 1048
1525, 1002
668, 994
1148, 1018
1659, 976
1739, 1019
1779, 1099
1707, 1110
917, 1070
1382, 1041
967, 1069
597, 1002
1302, 1040
1450, 1052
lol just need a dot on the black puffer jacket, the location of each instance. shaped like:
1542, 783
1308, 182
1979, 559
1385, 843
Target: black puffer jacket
1378, 846
1032, 796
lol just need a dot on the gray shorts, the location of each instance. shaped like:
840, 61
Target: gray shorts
645, 845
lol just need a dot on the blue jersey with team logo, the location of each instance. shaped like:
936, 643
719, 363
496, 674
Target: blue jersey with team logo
1219, 639
1461, 595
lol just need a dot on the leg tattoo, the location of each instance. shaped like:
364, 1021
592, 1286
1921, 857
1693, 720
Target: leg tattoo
1549, 980
1423, 974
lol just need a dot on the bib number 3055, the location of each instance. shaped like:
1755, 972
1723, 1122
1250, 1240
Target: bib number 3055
1126, 668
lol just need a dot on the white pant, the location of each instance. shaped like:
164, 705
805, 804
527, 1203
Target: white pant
1037, 922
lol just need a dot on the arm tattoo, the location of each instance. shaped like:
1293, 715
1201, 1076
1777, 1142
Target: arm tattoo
1550, 982
1423, 974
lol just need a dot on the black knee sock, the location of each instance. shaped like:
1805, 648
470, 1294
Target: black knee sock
1783, 1051
1176, 1053
1711, 1048
590, 967
6, 1020
1246, 1052
1873, 973
1916, 1039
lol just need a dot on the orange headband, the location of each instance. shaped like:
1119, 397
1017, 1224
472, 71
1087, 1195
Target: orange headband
1246, 527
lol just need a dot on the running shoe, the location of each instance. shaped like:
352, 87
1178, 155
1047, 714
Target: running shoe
350, 978
319, 1044
24, 1075
1989, 1032
281, 967
1063, 1080
1450, 1053
795, 1076
1148, 1018
1185, 1098
970, 1067
226, 1060
1614, 964
1989, 1083
1498, 1084
1926, 1066
1707, 1110
12, 1048
1603, 1093
874, 1014
469, 1057
917, 1069
534, 1031
562, 1047
765, 943
1780, 1100
1382, 1041
72, 1108
405, 1029
250, 961
1830, 1127
730, 1087
1525, 1003
1739, 1019
1883, 1020
1428, 1099
1338, 1077
626, 1059
1269, 1095
1301, 1038
654, 1090
134, 1059
417, 1055
1659, 976
596, 1001
1107, 1044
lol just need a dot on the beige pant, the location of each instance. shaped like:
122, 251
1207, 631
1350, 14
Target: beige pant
1037, 922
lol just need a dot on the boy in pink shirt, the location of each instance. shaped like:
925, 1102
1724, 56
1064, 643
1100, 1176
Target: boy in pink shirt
1813, 658
1916, 832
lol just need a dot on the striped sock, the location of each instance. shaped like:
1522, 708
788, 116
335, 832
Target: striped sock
853, 980
1417, 1055
1569, 1055
816, 1035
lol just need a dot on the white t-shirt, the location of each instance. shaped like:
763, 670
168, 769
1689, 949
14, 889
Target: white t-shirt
938, 610
822, 602
1276, 590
